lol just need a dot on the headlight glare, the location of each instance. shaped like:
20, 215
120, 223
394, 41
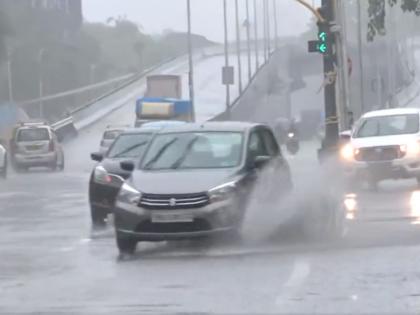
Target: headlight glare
347, 152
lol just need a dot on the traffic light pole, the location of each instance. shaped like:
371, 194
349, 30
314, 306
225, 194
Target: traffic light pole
330, 141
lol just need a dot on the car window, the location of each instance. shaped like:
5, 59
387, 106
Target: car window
270, 142
256, 146
193, 150
129, 146
111, 135
388, 125
33, 134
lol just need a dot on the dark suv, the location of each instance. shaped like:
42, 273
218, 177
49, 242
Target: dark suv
196, 180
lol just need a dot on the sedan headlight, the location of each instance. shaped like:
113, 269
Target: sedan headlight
222, 192
129, 195
101, 176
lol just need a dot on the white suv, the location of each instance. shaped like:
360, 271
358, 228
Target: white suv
34, 145
384, 144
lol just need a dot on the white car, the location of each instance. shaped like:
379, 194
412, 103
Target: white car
109, 136
3, 162
384, 144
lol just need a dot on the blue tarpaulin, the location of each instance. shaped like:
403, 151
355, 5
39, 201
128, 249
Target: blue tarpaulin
181, 107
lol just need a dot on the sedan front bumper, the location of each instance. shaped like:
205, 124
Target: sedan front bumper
150, 225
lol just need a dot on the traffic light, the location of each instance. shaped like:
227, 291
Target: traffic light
323, 44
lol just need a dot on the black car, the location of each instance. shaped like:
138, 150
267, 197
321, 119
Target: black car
107, 175
195, 181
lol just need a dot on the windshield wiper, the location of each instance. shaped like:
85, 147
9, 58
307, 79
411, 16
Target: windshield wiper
159, 154
184, 155
129, 149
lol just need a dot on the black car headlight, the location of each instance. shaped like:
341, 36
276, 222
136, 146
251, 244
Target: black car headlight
222, 192
129, 195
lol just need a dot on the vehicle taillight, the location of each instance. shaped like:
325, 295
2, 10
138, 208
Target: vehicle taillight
52, 146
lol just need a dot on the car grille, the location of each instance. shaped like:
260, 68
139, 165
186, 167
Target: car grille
375, 154
185, 201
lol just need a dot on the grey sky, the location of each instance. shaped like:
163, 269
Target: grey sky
157, 15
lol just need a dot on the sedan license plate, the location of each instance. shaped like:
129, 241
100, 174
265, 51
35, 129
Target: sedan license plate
171, 218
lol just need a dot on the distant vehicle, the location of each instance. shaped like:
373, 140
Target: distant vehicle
35, 145
196, 180
3, 162
105, 178
384, 144
109, 136
162, 101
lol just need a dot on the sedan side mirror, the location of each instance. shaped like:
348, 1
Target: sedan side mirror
97, 156
260, 161
127, 166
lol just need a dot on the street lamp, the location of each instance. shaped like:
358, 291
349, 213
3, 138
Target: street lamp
226, 43
257, 62
41, 83
190, 63
238, 46
248, 40
9, 74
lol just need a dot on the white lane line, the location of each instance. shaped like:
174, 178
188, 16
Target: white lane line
290, 290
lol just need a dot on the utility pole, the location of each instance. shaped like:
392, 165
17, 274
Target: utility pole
257, 62
248, 40
226, 57
360, 51
276, 30
190, 63
265, 30
41, 83
267, 16
9, 74
238, 46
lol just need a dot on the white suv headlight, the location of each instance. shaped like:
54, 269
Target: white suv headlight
222, 192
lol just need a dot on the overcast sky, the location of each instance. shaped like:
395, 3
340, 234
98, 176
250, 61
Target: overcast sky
157, 15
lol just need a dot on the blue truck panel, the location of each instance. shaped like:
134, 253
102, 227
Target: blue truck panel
181, 108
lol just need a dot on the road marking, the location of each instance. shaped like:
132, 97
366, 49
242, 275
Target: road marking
294, 283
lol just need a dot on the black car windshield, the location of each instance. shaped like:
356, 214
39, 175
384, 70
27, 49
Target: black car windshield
33, 134
194, 150
388, 126
129, 146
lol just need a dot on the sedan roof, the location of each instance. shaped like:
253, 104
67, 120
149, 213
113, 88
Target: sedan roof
227, 126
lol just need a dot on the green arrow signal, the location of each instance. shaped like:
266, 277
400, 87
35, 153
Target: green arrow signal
323, 36
322, 48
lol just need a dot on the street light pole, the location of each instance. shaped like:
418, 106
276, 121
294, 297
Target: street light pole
248, 40
41, 83
190, 62
226, 57
360, 50
238, 46
265, 29
9, 74
276, 33
267, 16
257, 62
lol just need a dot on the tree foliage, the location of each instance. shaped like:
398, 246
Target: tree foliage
377, 14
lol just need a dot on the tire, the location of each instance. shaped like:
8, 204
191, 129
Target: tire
98, 216
3, 173
126, 245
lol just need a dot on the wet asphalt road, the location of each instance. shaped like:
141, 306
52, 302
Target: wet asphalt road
53, 263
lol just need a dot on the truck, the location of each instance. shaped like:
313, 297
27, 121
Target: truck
163, 101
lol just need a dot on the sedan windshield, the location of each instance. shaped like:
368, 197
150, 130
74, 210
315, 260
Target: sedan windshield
388, 126
129, 146
194, 150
